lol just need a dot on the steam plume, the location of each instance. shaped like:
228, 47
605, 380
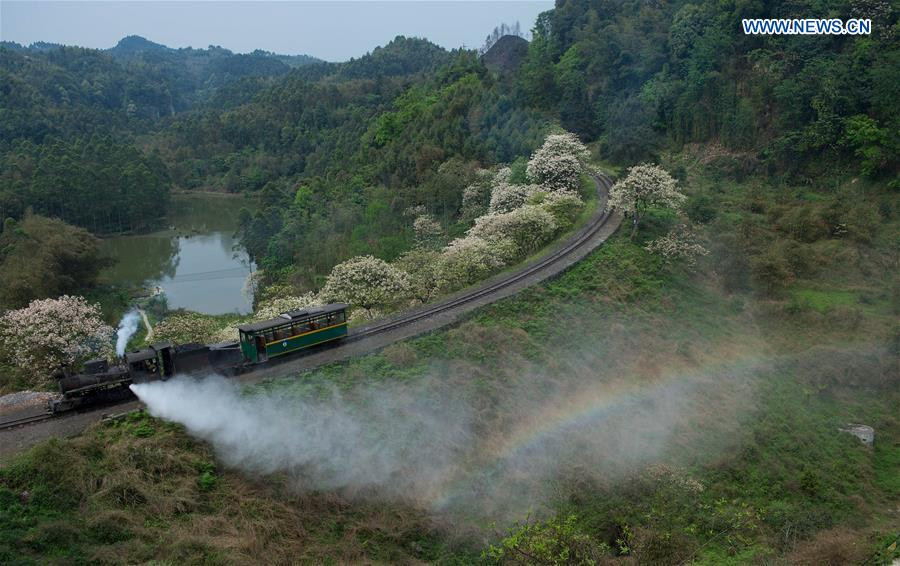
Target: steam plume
423, 443
127, 327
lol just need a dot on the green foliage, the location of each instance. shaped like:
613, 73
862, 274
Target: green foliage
97, 183
45, 258
557, 541
634, 75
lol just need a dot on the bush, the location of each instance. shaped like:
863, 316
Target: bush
700, 209
528, 227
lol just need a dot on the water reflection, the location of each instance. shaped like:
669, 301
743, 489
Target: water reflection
197, 261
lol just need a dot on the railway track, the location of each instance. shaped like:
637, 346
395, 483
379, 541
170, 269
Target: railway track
409, 318
582, 236
16, 422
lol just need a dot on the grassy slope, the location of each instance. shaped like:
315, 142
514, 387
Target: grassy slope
774, 476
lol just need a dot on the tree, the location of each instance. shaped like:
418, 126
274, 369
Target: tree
469, 259
506, 197
528, 227
44, 257
420, 266
366, 282
558, 163
50, 334
646, 185
679, 243
428, 231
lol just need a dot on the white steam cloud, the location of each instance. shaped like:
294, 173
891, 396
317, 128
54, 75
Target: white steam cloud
127, 327
378, 439
435, 445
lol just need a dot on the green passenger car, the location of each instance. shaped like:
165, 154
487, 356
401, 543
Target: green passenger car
291, 331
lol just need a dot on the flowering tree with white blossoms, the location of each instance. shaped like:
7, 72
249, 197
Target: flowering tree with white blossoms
528, 227
558, 164
679, 243
477, 194
270, 308
421, 269
645, 185
185, 326
366, 282
52, 333
428, 231
506, 197
466, 260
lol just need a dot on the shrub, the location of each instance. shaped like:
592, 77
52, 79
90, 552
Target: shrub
528, 227
366, 282
420, 267
700, 209
557, 541
506, 197
680, 243
563, 206
466, 260
51, 333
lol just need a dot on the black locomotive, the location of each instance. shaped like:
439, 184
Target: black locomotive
258, 342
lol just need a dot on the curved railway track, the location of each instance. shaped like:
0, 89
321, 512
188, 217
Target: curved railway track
554, 262
583, 235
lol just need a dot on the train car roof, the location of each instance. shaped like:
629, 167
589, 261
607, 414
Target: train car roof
292, 316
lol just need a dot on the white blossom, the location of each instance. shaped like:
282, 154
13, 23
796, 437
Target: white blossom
558, 163
270, 308
414, 211
428, 231
528, 227
361, 316
51, 333
421, 270
506, 197
645, 185
469, 259
679, 243
366, 282
477, 195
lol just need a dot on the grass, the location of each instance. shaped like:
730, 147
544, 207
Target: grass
824, 301
138, 490
755, 471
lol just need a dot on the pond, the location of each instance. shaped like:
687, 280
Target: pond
196, 261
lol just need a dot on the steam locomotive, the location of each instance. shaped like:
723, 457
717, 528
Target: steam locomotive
258, 343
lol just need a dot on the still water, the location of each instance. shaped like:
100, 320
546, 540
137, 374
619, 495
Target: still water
196, 260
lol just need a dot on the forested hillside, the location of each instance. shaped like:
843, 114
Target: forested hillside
641, 77
680, 395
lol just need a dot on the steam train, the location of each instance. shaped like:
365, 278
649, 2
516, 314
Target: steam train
258, 343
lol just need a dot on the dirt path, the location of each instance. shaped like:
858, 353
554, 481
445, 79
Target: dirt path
149, 338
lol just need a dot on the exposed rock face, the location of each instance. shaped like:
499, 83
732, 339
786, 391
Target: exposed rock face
507, 54
864, 433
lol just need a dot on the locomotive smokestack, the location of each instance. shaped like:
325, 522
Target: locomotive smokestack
127, 327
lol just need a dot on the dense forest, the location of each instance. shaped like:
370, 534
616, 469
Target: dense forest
335, 151
680, 395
